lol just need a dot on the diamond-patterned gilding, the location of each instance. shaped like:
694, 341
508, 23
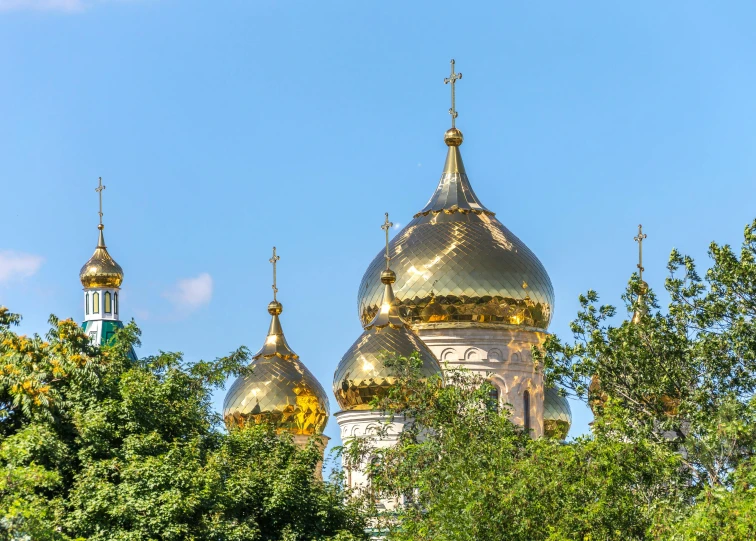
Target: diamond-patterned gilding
557, 415
472, 268
101, 270
455, 262
280, 391
362, 374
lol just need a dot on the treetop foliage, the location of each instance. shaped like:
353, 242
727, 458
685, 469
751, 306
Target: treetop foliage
97, 445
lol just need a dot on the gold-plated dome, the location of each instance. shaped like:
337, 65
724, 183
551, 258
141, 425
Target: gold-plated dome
456, 263
280, 390
362, 374
101, 270
557, 414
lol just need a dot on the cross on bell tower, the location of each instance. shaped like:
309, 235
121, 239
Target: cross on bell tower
99, 190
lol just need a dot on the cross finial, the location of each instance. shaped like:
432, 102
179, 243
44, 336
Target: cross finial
99, 190
639, 240
274, 260
386, 226
453, 78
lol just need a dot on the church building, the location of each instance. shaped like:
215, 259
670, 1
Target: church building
456, 286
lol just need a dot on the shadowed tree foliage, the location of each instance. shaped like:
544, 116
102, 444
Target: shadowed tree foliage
95, 445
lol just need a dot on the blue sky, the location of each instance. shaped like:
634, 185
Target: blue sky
223, 128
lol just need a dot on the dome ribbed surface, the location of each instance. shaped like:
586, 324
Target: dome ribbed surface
456, 253
362, 374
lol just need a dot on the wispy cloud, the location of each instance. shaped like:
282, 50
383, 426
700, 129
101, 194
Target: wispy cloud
18, 265
191, 293
397, 225
70, 6
42, 5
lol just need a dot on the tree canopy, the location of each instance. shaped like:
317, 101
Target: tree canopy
95, 444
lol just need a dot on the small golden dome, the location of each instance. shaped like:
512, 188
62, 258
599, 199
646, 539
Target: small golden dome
101, 270
280, 389
453, 137
362, 374
557, 414
483, 273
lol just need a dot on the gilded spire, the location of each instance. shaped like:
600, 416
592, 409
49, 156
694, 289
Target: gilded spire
101, 270
275, 343
388, 314
454, 192
642, 309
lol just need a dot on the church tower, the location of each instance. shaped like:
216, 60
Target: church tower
477, 296
101, 277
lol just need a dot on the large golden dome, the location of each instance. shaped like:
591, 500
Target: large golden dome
280, 390
458, 264
557, 414
362, 374
101, 270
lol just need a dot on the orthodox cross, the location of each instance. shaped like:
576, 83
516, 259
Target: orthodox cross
99, 190
639, 240
453, 78
386, 226
274, 260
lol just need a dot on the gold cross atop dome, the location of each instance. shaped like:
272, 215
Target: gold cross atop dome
386, 226
99, 190
274, 260
453, 78
639, 240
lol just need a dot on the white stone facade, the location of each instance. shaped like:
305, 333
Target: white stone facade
497, 353
380, 430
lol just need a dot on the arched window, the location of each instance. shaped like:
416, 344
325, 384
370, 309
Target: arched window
86, 302
493, 397
115, 303
95, 303
526, 407
108, 308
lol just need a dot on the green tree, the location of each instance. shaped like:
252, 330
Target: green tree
682, 380
96, 445
463, 471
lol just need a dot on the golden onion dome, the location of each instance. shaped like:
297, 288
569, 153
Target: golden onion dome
557, 414
362, 374
280, 389
458, 264
101, 270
